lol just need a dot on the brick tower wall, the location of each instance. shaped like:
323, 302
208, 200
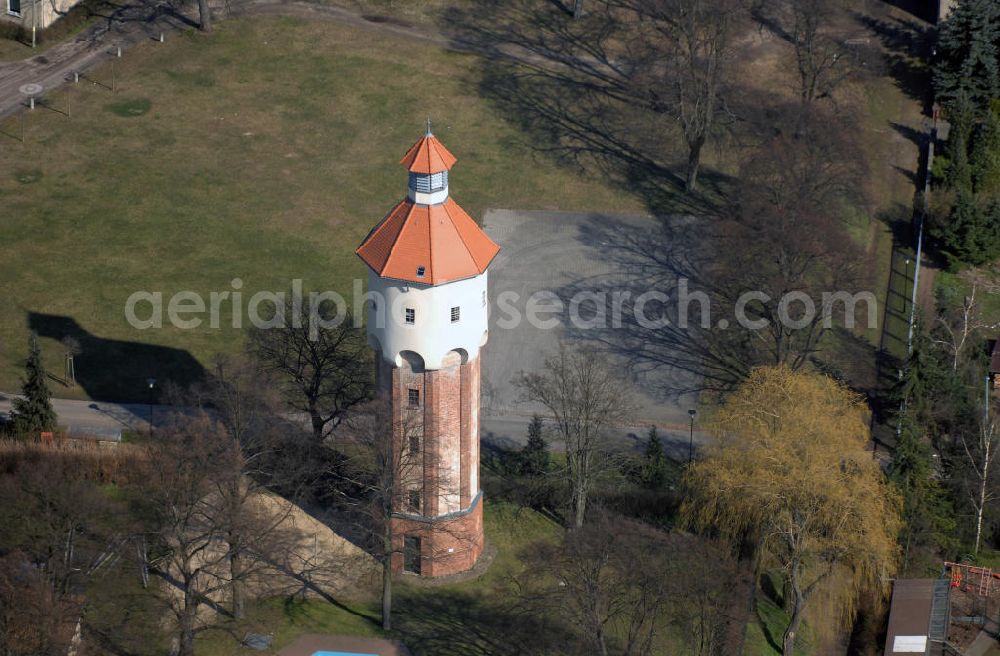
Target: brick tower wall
450, 521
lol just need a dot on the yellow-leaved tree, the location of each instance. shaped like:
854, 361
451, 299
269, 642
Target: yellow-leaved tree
789, 470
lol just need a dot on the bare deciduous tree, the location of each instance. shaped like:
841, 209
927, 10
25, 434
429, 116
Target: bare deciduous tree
823, 61
788, 235
60, 530
584, 397
592, 579
390, 457
981, 455
178, 517
204, 16
958, 326
323, 365
247, 408
34, 619
692, 41
382, 466
199, 508
72, 348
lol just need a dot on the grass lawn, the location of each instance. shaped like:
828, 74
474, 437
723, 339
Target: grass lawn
766, 630
262, 152
11, 50
469, 616
764, 635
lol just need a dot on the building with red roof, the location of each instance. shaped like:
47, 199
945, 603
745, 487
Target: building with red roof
427, 313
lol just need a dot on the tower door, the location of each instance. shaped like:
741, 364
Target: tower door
411, 554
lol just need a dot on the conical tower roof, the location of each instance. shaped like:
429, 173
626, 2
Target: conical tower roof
428, 155
428, 244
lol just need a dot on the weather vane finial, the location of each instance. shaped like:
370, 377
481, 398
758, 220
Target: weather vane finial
428, 126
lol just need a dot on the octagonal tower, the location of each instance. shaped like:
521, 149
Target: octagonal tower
427, 321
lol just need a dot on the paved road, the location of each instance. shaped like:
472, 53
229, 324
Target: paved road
110, 419
99, 418
549, 252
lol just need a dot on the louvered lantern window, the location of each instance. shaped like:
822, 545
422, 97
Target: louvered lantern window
428, 183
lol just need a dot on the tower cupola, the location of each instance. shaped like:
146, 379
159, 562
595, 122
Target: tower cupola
428, 162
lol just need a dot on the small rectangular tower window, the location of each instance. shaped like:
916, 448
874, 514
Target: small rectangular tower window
411, 554
455, 314
411, 315
420, 271
413, 396
414, 445
14, 7
414, 500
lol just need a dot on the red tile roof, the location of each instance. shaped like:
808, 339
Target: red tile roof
428, 155
442, 239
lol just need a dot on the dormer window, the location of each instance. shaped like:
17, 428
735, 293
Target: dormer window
420, 271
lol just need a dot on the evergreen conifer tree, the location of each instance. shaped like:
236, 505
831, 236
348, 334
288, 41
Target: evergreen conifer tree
968, 52
984, 156
535, 454
959, 175
33, 413
927, 512
973, 234
654, 466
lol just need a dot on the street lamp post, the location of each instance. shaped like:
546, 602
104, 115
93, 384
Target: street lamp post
691, 413
151, 382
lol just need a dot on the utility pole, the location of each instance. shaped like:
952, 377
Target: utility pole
34, 24
916, 285
986, 401
152, 384
691, 413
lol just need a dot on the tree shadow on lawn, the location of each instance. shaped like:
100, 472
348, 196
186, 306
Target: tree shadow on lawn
116, 370
907, 45
481, 623
848, 357
669, 355
922, 9
558, 79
